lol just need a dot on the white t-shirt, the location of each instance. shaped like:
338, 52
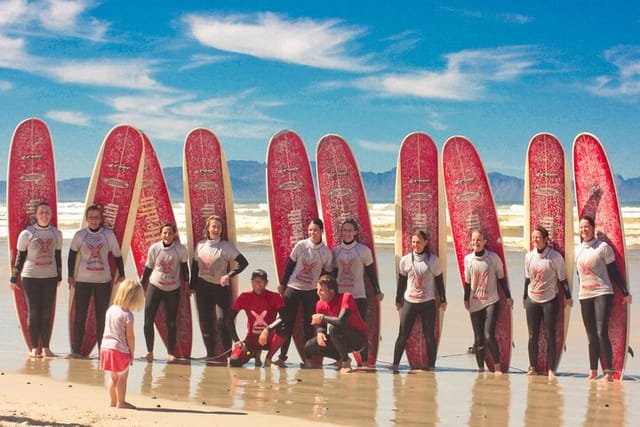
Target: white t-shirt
592, 258
483, 272
41, 244
350, 261
164, 263
93, 252
311, 259
544, 270
421, 271
115, 332
213, 257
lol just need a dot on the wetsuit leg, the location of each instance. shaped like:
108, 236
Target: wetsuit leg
408, 314
206, 307
82, 297
550, 315
603, 305
363, 308
222, 297
171, 303
587, 308
534, 314
478, 320
428, 315
102, 297
33, 295
344, 340
309, 300
151, 303
490, 331
50, 289
292, 300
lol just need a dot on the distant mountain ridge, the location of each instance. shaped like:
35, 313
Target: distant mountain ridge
248, 182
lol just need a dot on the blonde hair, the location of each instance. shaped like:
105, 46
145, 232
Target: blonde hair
130, 295
208, 222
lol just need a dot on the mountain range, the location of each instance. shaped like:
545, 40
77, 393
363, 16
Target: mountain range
248, 184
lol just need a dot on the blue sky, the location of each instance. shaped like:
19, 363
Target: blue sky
496, 72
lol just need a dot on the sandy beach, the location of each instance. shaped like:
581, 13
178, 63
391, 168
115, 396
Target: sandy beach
59, 392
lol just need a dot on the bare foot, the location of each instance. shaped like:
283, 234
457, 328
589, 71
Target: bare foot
126, 405
346, 370
47, 353
532, 371
170, 358
608, 377
148, 357
592, 375
552, 375
113, 404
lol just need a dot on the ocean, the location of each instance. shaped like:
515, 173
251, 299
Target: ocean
253, 228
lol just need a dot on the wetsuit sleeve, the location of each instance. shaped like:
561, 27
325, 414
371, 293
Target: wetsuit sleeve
120, 265
615, 276
231, 325
505, 287
288, 271
241, 264
194, 275
402, 287
526, 288
371, 272
184, 271
565, 288
58, 256
71, 262
467, 291
440, 287
145, 275
341, 320
17, 269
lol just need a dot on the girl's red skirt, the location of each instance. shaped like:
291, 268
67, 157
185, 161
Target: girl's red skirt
114, 360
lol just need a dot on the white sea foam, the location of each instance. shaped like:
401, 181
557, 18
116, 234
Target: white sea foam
253, 227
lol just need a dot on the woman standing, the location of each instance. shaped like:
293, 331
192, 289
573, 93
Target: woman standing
596, 264
210, 279
166, 268
91, 247
483, 273
420, 276
308, 260
39, 264
544, 268
353, 260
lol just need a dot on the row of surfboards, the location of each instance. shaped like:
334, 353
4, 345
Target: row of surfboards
128, 182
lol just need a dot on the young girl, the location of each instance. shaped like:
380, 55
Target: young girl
483, 273
118, 341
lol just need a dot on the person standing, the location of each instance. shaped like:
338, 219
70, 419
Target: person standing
308, 260
118, 341
211, 280
90, 249
597, 272
352, 261
483, 273
167, 267
544, 270
39, 265
420, 293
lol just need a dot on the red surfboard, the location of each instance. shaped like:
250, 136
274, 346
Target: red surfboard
292, 204
420, 206
207, 191
114, 185
342, 195
31, 179
596, 195
547, 201
471, 206
155, 209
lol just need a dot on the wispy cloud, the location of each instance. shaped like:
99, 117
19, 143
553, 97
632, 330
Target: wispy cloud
5, 85
506, 17
466, 77
69, 117
197, 61
170, 117
626, 82
121, 73
323, 44
436, 121
382, 147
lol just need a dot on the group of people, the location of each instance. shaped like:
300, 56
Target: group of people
327, 284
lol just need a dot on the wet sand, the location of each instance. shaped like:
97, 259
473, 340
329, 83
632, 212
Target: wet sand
455, 394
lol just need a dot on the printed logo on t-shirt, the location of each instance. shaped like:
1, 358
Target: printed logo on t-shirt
44, 252
259, 321
481, 286
417, 285
166, 268
95, 258
536, 287
587, 274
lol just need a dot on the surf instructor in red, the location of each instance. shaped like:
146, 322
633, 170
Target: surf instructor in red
339, 326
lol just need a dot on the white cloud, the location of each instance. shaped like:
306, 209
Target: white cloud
626, 82
130, 74
12, 11
198, 61
69, 117
466, 76
170, 118
436, 121
378, 146
304, 41
12, 53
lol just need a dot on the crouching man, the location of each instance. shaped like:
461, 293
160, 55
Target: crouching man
340, 329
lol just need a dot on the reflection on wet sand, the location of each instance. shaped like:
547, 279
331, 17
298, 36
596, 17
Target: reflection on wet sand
490, 400
605, 404
166, 380
416, 399
85, 371
545, 402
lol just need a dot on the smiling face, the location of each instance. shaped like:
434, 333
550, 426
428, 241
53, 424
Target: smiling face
478, 241
258, 284
324, 292
538, 240
167, 234
214, 229
418, 244
349, 232
315, 233
43, 215
587, 231
94, 218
